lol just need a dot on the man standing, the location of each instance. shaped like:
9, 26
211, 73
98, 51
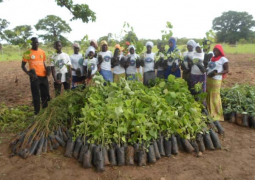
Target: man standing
37, 72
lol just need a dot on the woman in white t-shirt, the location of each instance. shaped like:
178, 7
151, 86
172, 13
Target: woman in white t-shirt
148, 63
132, 64
61, 69
77, 66
118, 63
161, 63
217, 69
104, 59
90, 65
197, 70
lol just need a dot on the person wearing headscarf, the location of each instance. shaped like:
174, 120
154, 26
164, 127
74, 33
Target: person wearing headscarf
104, 59
197, 70
90, 65
93, 43
118, 63
77, 66
172, 63
217, 68
161, 63
148, 63
191, 47
132, 64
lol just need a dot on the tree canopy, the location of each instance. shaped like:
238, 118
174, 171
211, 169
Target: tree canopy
55, 27
3, 25
232, 26
79, 11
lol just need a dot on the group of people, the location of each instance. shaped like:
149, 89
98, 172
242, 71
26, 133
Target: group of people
198, 65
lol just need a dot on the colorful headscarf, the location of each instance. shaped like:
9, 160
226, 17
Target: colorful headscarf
173, 40
76, 45
117, 46
222, 54
95, 42
192, 43
149, 43
103, 43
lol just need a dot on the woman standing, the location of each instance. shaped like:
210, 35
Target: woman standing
148, 63
90, 64
104, 59
191, 46
197, 70
217, 68
118, 63
161, 64
132, 64
172, 64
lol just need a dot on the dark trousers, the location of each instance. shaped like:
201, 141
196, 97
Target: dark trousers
57, 87
40, 87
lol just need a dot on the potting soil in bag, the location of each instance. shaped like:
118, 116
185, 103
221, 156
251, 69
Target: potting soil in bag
50, 148
54, 142
208, 142
194, 145
161, 147
141, 157
168, 147
69, 148
34, 145
60, 141
151, 154
45, 145
180, 146
24, 153
239, 119
77, 147
219, 127
100, 160
200, 142
252, 121
40, 146
136, 149
245, 122
187, 146
157, 154
120, 151
174, 145
112, 156
87, 159
84, 148
106, 158
232, 117
95, 150
215, 139
130, 153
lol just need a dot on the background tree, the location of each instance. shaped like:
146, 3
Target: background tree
79, 11
19, 35
55, 27
232, 26
3, 25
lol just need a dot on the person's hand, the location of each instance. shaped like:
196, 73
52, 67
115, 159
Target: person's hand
70, 79
32, 76
212, 74
58, 81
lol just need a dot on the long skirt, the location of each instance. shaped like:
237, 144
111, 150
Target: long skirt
147, 76
116, 77
194, 79
213, 99
107, 75
131, 77
169, 71
160, 74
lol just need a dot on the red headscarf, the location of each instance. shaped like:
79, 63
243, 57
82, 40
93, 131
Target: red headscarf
222, 54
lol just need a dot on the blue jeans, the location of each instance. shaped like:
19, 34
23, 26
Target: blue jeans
107, 75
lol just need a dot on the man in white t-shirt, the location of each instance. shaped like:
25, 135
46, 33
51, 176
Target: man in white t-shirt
77, 66
104, 59
61, 69
149, 63
90, 65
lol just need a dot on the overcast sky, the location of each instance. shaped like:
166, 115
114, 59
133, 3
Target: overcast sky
190, 19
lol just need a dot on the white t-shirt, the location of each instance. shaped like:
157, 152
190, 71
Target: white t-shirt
171, 61
77, 62
119, 69
217, 65
106, 64
60, 62
149, 60
194, 69
187, 55
132, 66
161, 55
92, 63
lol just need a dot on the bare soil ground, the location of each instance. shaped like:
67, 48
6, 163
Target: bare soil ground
235, 161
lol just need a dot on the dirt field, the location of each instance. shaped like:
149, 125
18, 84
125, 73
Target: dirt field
235, 161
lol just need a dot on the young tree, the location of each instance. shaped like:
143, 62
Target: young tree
55, 27
19, 35
79, 11
3, 25
232, 26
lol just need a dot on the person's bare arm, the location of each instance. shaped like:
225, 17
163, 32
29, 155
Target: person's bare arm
53, 75
23, 67
225, 69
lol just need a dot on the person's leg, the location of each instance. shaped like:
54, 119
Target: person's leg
57, 88
35, 95
44, 89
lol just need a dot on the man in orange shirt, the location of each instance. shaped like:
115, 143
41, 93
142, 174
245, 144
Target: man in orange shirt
37, 72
